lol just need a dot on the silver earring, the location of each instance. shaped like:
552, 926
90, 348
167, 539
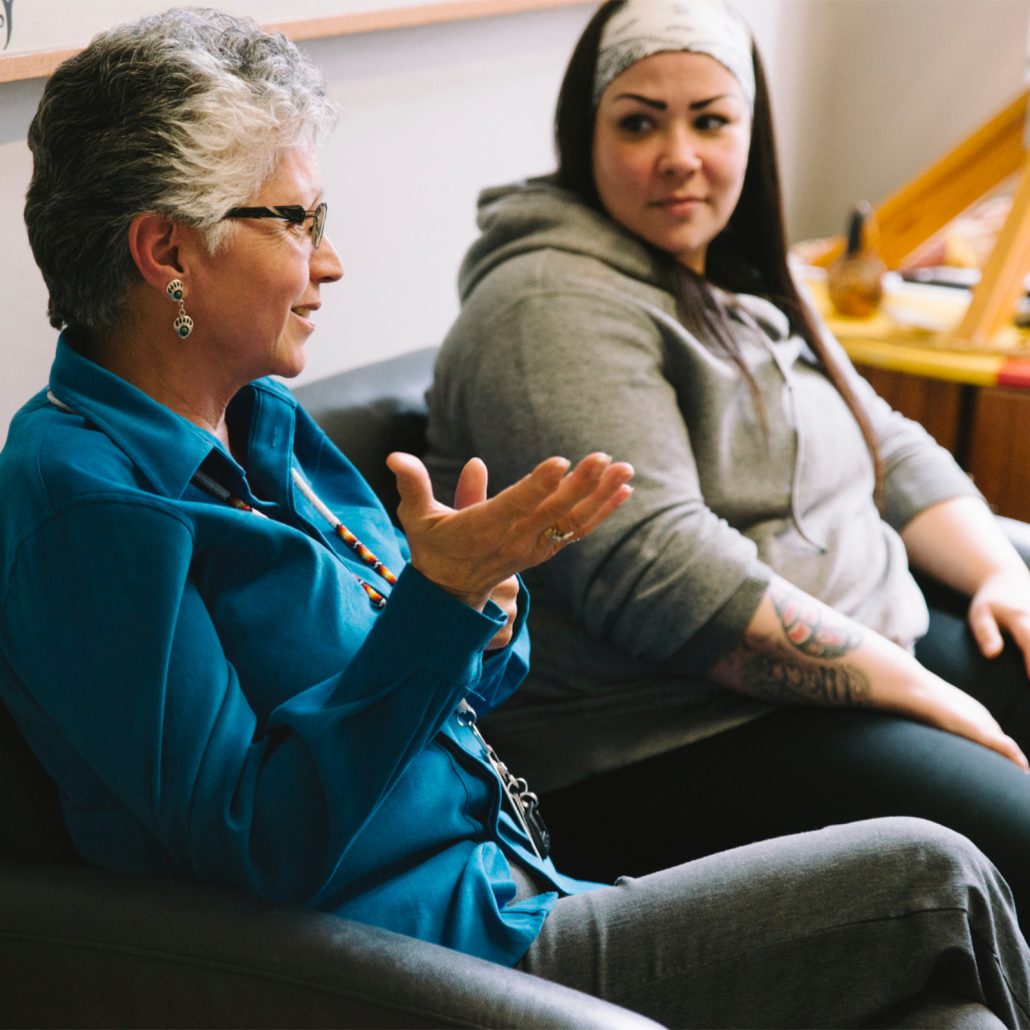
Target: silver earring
183, 324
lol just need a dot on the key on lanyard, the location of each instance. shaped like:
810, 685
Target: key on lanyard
522, 802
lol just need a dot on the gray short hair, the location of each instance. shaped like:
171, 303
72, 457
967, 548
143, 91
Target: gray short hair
184, 113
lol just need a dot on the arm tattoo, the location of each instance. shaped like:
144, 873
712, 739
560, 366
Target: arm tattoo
773, 677
811, 627
806, 663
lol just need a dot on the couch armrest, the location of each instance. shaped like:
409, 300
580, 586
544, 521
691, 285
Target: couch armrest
85, 947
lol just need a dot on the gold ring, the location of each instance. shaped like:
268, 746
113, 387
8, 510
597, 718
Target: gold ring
553, 533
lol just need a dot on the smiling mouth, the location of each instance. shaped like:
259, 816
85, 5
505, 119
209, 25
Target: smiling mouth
303, 312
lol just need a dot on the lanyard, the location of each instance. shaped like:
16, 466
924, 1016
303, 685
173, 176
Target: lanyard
349, 539
212, 486
523, 804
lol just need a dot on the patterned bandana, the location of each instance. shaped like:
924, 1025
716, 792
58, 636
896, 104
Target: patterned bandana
646, 27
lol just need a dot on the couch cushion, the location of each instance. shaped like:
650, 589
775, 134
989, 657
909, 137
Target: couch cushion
31, 825
373, 410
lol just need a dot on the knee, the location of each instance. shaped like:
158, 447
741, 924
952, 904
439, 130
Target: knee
913, 836
924, 833
935, 859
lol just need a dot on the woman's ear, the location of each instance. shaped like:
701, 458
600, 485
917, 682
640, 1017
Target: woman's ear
160, 247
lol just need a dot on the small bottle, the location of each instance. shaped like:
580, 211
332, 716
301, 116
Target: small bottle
855, 279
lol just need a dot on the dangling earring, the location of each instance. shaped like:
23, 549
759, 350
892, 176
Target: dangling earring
183, 324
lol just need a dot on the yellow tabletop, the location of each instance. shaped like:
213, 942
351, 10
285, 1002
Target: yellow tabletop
913, 332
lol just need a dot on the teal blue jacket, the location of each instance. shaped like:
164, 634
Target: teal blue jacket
215, 694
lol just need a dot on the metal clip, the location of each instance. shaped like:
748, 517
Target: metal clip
523, 804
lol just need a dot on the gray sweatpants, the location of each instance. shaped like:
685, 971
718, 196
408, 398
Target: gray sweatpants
888, 922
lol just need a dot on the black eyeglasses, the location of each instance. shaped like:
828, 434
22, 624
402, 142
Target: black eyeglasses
292, 213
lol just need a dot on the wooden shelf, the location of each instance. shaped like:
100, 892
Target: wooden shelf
978, 164
41, 63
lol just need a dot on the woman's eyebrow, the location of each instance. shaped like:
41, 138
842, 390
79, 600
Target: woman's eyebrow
661, 105
698, 104
658, 105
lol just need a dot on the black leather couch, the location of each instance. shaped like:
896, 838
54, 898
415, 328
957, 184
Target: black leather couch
82, 947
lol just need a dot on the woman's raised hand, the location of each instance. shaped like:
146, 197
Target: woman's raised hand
470, 549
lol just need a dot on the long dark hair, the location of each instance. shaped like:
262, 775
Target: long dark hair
748, 256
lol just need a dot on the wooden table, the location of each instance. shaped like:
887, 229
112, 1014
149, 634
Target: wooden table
974, 402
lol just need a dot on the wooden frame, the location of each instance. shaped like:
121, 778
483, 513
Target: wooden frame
42, 63
924, 206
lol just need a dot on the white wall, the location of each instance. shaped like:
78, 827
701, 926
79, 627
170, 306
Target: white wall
867, 92
873, 91
429, 116
26, 342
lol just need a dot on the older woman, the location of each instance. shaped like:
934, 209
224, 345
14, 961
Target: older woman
238, 672
743, 651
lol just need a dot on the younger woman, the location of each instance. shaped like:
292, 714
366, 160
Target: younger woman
743, 650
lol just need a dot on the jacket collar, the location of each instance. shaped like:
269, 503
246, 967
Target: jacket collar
164, 446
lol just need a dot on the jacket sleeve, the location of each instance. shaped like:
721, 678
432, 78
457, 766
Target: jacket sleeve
570, 372
119, 651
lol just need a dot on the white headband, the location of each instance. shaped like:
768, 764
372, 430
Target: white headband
646, 27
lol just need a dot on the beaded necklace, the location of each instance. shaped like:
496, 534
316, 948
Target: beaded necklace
522, 802
212, 486
204, 481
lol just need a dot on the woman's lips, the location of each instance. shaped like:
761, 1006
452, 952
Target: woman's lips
304, 313
680, 205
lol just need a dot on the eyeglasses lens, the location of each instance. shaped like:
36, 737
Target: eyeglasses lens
318, 224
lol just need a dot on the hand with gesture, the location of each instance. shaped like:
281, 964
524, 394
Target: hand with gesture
471, 549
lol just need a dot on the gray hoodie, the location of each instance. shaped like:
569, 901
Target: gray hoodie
566, 344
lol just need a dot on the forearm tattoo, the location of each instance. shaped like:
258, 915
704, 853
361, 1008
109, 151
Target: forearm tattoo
811, 627
806, 664
774, 677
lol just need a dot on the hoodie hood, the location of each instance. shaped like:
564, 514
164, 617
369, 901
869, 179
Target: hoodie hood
535, 214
